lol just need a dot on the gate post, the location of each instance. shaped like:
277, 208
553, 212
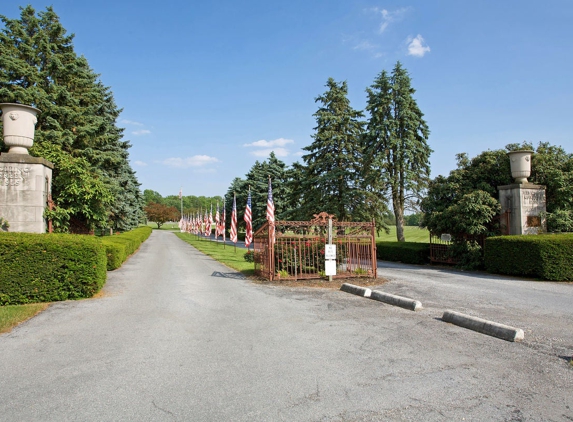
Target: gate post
373, 249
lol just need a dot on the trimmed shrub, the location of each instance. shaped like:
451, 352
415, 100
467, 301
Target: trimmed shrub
406, 252
49, 267
546, 256
119, 247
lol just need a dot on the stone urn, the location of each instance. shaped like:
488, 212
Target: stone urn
19, 123
520, 162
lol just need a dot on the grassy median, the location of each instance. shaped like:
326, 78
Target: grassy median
226, 254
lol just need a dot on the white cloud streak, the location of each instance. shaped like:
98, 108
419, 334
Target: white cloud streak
140, 163
195, 161
279, 152
281, 142
417, 46
131, 122
389, 17
141, 132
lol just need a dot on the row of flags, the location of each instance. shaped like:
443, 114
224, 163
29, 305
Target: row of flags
203, 223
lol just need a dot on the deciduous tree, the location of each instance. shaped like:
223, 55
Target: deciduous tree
161, 214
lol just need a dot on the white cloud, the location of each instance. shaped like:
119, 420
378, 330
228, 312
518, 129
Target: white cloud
281, 142
141, 132
389, 17
131, 122
279, 152
417, 47
140, 163
365, 45
195, 161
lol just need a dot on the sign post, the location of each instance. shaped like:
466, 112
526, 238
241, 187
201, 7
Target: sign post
330, 254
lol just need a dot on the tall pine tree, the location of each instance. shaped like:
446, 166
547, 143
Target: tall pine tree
332, 179
396, 142
77, 126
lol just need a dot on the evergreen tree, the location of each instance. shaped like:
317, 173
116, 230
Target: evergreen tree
331, 178
76, 128
258, 179
396, 142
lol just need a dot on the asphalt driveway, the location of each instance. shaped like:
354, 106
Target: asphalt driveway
176, 336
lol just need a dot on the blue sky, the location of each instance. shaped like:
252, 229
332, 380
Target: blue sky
208, 88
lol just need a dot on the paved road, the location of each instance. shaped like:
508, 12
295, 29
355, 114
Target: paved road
544, 310
179, 337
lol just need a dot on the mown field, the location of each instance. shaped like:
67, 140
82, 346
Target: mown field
411, 233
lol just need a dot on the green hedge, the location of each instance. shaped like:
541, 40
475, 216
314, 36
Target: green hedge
406, 252
49, 267
547, 256
118, 247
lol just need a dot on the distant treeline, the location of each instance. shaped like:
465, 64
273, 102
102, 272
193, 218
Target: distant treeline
191, 204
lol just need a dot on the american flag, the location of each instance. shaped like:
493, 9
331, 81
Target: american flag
217, 222
234, 221
248, 222
271, 214
210, 222
206, 222
224, 220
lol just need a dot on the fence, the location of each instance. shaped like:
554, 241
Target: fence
298, 250
440, 247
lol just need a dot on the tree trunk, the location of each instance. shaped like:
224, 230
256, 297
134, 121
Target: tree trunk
399, 215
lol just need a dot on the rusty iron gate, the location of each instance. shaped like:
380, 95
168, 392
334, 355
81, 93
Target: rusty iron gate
298, 250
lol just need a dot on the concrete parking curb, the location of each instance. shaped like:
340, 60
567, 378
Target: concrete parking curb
402, 302
356, 290
483, 326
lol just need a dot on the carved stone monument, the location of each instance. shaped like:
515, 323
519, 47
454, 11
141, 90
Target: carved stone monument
25, 181
522, 203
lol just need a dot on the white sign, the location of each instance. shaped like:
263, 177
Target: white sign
329, 251
330, 268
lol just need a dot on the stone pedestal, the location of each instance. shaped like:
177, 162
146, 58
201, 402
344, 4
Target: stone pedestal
522, 206
25, 183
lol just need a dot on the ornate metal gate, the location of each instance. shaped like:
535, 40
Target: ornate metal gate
298, 250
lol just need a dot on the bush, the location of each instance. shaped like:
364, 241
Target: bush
120, 246
547, 256
406, 252
49, 267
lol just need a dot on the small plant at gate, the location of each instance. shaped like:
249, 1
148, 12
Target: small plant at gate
249, 256
360, 271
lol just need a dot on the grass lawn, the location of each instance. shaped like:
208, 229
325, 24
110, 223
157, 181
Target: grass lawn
411, 233
166, 226
225, 254
12, 315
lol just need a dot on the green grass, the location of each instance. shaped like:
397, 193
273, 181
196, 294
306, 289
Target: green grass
12, 315
166, 226
411, 233
226, 255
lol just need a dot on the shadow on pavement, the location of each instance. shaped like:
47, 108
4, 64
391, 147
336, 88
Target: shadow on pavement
237, 276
